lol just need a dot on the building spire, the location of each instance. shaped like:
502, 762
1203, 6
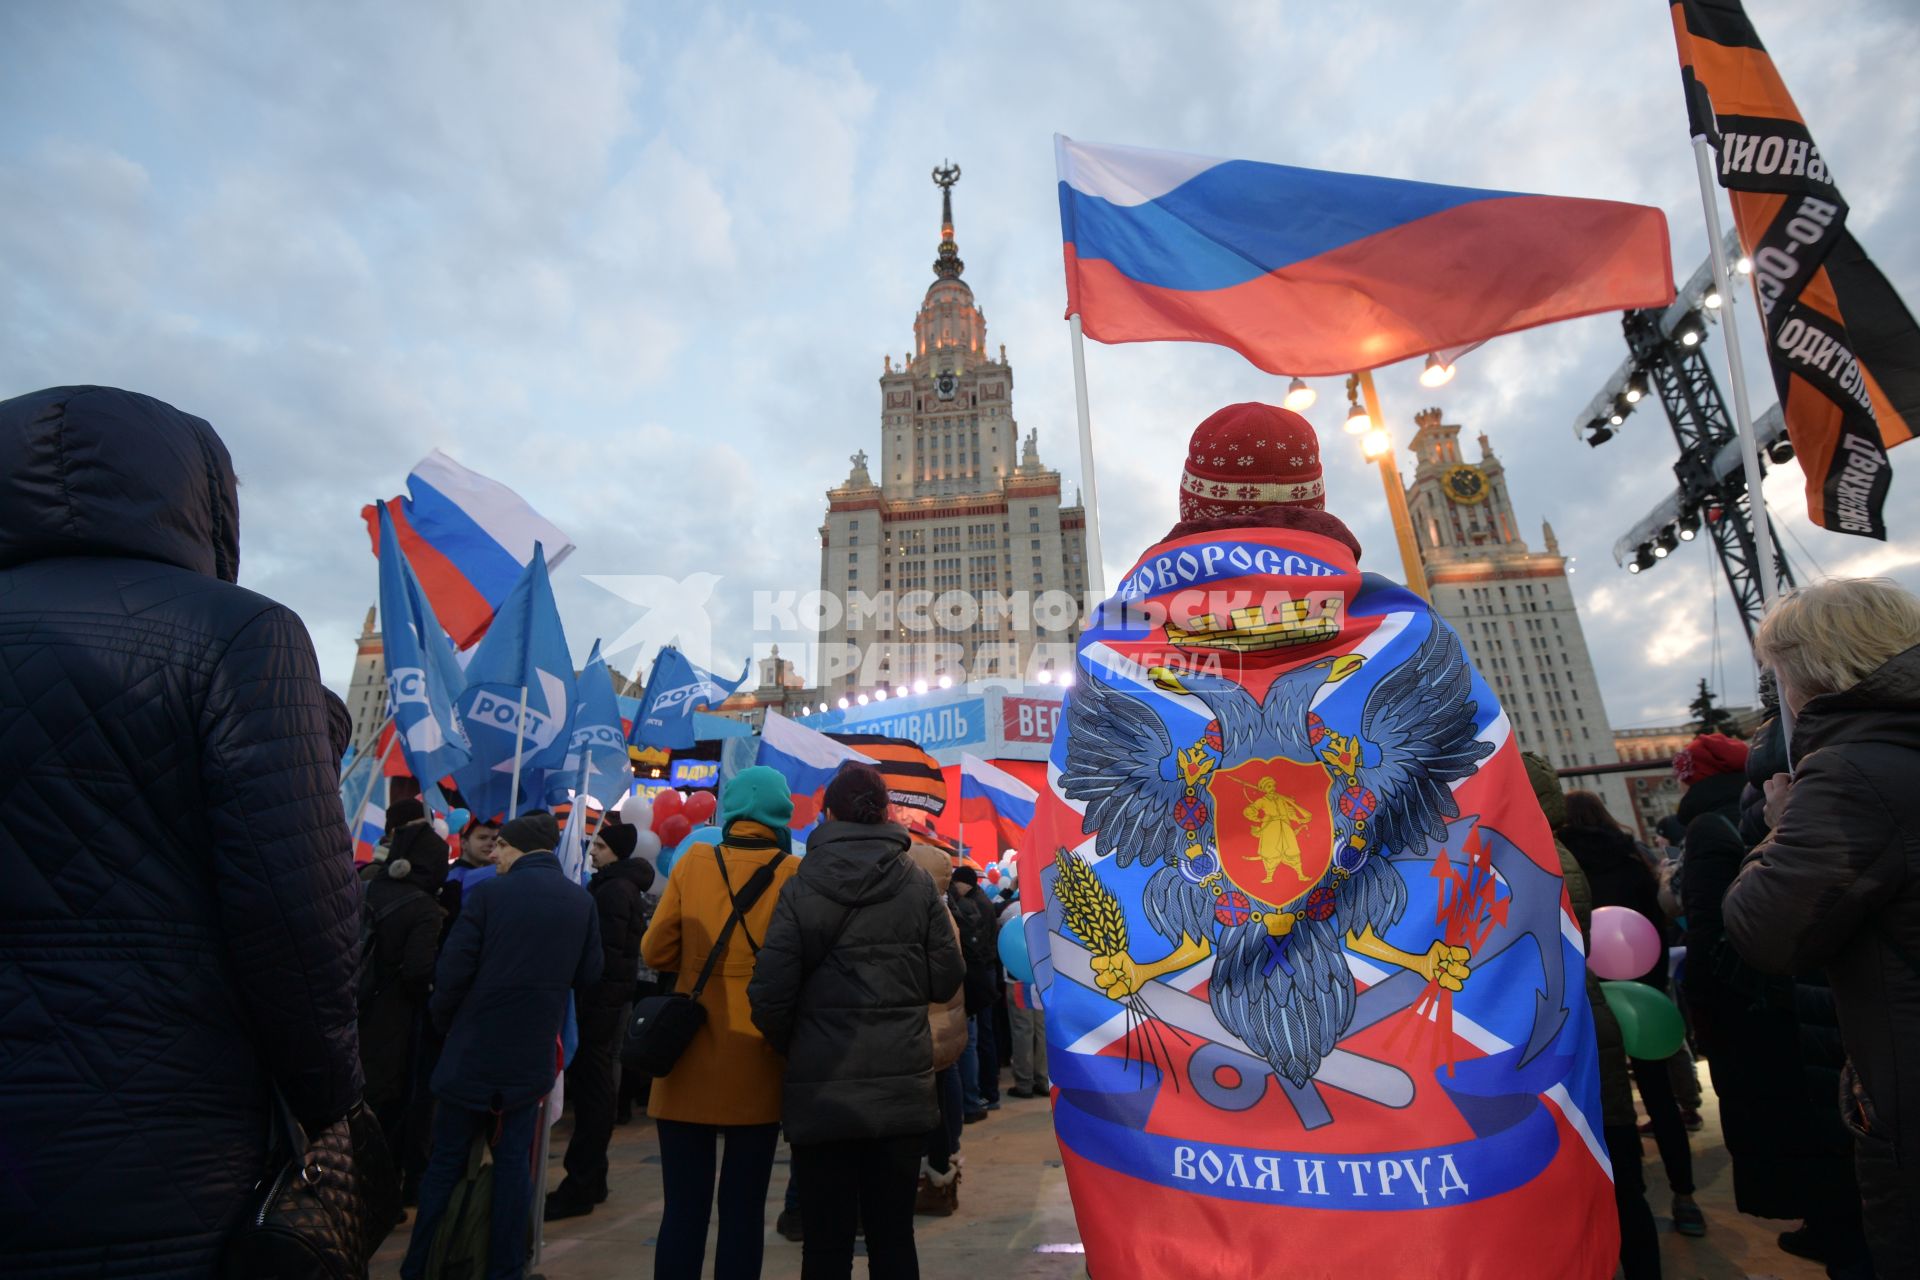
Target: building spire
948, 265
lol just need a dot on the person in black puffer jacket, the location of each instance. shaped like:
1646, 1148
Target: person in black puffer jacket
403, 908
859, 946
619, 888
178, 930
979, 946
1742, 1018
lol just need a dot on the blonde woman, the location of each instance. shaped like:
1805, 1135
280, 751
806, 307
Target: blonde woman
1836, 886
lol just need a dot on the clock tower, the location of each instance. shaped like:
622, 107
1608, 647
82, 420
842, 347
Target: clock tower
960, 560
1512, 606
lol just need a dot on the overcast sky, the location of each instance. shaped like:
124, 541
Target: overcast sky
642, 262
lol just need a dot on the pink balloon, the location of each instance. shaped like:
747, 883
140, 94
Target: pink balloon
1626, 945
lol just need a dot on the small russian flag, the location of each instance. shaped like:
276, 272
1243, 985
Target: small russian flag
990, 794
468, 539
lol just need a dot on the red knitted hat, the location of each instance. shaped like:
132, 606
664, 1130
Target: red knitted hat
1248, 456
1710, 755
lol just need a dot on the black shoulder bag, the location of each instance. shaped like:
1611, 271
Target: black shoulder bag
663, 1026
324, 1209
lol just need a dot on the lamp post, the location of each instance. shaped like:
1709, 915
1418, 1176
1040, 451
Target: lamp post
1377, 445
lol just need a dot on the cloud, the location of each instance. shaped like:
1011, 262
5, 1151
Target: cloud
642, 264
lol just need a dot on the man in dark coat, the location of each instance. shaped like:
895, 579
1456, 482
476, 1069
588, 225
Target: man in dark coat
404, 920
1743, 1019
980, 946
178, 927
859, 945
1837, 883
525, 939
619, 888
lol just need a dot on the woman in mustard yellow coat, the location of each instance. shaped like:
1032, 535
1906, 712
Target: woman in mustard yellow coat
727, 1084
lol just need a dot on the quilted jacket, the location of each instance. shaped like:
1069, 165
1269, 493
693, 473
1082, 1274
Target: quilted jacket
179, 913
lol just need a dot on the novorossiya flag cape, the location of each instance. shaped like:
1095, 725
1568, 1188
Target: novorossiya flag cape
1844, 348
1283, 808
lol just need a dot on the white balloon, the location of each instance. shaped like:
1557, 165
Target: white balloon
646, 844
636, 812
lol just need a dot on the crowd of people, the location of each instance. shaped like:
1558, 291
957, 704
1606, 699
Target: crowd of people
187, 954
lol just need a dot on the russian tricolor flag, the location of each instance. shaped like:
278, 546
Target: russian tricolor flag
468, 539
1311, 273
990, 794
807, 759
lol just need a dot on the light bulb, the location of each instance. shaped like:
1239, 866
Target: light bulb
1712, 300
919, 686
843, 703
946, 682
1437, 373
879, 695
1300, 396
1045, 677
1357, 419
1744, 266
862, 699
1375, 444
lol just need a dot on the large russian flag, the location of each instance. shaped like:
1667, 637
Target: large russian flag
1312, 273
468, 539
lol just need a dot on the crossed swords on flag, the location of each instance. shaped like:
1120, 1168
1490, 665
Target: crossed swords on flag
1467, 910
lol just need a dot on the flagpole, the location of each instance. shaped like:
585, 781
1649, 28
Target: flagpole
379, 771
1096, 571
1742, 415
519, 748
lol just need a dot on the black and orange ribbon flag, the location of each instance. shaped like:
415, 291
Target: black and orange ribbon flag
913, 777
1844, 348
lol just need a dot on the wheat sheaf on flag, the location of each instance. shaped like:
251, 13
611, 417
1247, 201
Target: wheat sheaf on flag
1844, 349
1314, 1003
1306, 272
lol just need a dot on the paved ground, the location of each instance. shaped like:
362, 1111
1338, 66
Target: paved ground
1015, 1221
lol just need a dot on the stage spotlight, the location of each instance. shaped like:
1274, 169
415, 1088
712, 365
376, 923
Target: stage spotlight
1689, 526
1636, 388
1780, 451
1598, 433
1664, 542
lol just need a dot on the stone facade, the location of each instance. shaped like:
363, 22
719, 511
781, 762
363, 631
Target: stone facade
1513, 606
960, 560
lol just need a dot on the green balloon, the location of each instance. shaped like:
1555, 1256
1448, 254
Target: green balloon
1650, 1025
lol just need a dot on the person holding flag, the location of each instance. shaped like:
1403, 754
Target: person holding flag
518, 703
1201, 1014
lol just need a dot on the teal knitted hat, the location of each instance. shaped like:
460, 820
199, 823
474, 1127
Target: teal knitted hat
758, 794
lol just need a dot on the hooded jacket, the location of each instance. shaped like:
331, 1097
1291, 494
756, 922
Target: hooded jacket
407, 921
859, 946
1837, 886
180, 915
619, 892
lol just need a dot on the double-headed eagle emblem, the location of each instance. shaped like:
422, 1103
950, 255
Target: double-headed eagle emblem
1272, 833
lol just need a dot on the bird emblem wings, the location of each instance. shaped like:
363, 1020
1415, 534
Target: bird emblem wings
1121, 761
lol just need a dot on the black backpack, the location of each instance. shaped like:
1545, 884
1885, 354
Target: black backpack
368, 982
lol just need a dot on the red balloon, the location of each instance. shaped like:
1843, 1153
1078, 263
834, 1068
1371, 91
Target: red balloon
668, 801
674, 830
993, 875
700, 806
804, 812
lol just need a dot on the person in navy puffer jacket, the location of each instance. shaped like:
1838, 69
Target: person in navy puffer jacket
180, 916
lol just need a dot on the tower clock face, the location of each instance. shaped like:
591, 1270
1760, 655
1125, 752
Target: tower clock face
1465, 484
946, 385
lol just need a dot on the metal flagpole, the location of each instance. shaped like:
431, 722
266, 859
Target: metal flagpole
1763, 548
1096, 571
1742, 416
519, 748
379, 771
